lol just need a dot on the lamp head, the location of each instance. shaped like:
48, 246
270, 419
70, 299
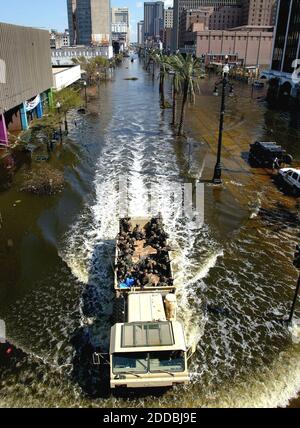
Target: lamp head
226, 69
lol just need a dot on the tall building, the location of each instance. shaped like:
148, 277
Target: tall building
153, 20
140, 32
120, 26
180, 5
287, 37
168, 18
283, 77
259, 12
89, 22
168, 28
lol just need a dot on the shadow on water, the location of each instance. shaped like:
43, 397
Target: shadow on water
96, 299
280, 218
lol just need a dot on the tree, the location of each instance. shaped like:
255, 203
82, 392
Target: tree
95, 68
164, 67
68, 98
152, 58
188, 70
176, 87
101, 64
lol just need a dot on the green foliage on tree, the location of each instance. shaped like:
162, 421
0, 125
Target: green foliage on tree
68, 98
187, 71
95, 68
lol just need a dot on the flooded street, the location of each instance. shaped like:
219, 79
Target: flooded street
239, 261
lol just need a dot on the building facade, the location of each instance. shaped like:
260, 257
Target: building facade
59, 40
140, 33
120, 22
283, 75
120, 15
259, 12
25, 77
180, 5
168, 28
226, 14
245, 46
65, 76
89, 22
65, 56
153, 21
168, 18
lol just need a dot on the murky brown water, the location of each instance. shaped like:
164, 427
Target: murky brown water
240, 260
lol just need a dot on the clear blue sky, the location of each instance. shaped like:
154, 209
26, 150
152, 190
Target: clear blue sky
53, 13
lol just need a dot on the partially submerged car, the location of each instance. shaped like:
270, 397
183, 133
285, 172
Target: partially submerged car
290, 177
268, 155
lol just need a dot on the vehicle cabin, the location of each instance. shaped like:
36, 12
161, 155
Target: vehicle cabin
149, 350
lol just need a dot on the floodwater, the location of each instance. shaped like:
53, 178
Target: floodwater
234, 273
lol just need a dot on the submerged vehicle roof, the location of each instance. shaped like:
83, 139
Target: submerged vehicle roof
147, 336
269, 145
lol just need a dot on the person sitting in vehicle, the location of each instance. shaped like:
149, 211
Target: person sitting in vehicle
125, 225
138, 233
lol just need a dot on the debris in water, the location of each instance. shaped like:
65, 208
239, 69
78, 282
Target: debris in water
43, 181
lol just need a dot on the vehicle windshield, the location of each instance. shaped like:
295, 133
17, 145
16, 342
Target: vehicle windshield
145, 362
167, 361
130, 362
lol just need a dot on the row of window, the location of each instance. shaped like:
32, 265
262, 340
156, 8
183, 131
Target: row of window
232, 37
76, 54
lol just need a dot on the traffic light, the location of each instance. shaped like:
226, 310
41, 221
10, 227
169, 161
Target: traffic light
296, 262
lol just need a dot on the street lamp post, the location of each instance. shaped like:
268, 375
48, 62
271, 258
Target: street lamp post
85, 94
58, 106
224, 82
98, 81
296, 263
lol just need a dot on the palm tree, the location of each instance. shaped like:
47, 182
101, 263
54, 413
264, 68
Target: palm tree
176, 86
152, 58
189, 70
164, 67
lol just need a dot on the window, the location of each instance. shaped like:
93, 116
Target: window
147, 334
295, 176
146, 362
168, 361
135, 363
